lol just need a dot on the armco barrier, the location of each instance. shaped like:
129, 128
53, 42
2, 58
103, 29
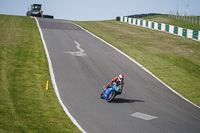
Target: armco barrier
187, 33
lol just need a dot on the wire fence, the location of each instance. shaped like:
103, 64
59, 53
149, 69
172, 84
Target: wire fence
192, 18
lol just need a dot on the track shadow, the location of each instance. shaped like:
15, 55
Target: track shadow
122, 100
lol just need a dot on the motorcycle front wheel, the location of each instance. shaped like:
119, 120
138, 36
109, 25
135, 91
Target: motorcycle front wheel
111, 96
101, 96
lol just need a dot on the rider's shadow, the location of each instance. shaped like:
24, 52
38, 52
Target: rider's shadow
122, 100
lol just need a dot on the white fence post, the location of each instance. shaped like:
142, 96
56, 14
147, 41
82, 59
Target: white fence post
189, 33
149, 24
156, 26
180, 31
162, 27
171, 29
199, 36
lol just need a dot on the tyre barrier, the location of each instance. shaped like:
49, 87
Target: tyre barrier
187, 33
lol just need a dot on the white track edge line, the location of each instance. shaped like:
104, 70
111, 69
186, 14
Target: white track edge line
54, 81
140, 66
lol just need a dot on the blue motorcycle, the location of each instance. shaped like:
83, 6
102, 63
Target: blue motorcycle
110, 93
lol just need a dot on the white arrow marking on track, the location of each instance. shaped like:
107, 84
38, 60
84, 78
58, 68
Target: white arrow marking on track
77, 53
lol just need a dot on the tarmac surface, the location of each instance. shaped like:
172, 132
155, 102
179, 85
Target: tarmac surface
82, 64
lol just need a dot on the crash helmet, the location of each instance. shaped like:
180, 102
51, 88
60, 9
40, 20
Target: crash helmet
121, 77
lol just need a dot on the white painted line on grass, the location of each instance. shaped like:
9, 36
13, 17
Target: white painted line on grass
54, 81
144, 116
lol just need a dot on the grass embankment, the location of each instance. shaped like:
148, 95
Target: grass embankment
25, 105
174, 59
172, 21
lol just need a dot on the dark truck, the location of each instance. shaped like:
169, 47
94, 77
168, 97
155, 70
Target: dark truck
36, 10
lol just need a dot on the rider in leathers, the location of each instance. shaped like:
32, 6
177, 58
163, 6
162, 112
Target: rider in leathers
118, 80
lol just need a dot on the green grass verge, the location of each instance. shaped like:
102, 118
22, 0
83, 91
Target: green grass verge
25, 105
173, 21
174, 59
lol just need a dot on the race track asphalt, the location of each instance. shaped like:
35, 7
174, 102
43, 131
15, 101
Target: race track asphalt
82, 64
